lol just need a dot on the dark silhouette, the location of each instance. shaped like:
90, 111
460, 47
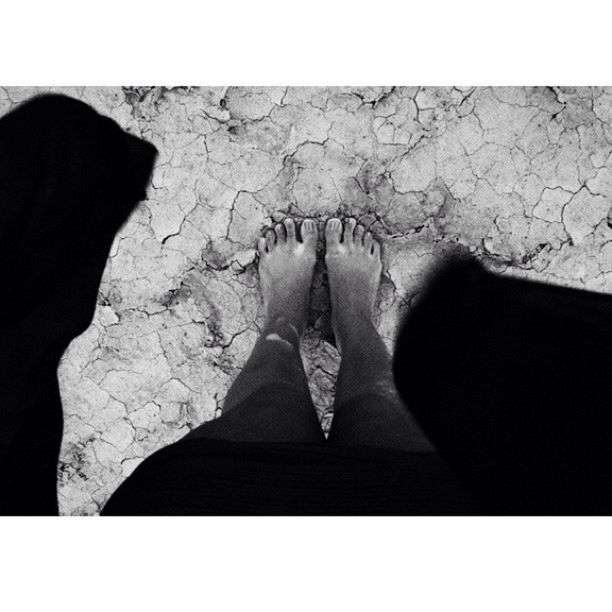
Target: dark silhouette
510, 379
68, 179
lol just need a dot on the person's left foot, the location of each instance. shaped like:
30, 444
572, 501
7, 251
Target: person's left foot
286, 265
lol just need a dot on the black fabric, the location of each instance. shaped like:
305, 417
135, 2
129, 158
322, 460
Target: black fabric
511, 381
241, 476
219, 477
68, 179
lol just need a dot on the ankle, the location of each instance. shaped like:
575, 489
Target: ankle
289, 328
352, 327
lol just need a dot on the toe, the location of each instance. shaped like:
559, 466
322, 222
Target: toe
270, 239
281, 237
309, 231
358, 234
333, 231
290, 229
262, 246
349, 228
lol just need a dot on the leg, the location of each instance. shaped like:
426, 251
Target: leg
270, 400
368, 410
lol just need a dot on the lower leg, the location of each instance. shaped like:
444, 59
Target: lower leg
365, 367
368, 409
285, 412
275, 359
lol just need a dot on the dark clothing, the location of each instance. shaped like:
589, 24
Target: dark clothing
506, 377
276, 478
511, 381
237, 465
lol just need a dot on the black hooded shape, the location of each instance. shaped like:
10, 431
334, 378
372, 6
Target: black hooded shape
69, 178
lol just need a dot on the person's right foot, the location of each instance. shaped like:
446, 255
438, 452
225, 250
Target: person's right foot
352, 257
286, 264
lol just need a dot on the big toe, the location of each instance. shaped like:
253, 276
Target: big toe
309, 232
333, 232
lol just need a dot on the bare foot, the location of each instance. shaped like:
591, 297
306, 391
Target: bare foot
286, 265
352, 257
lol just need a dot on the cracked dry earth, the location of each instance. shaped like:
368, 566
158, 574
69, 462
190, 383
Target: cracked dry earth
520, 177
